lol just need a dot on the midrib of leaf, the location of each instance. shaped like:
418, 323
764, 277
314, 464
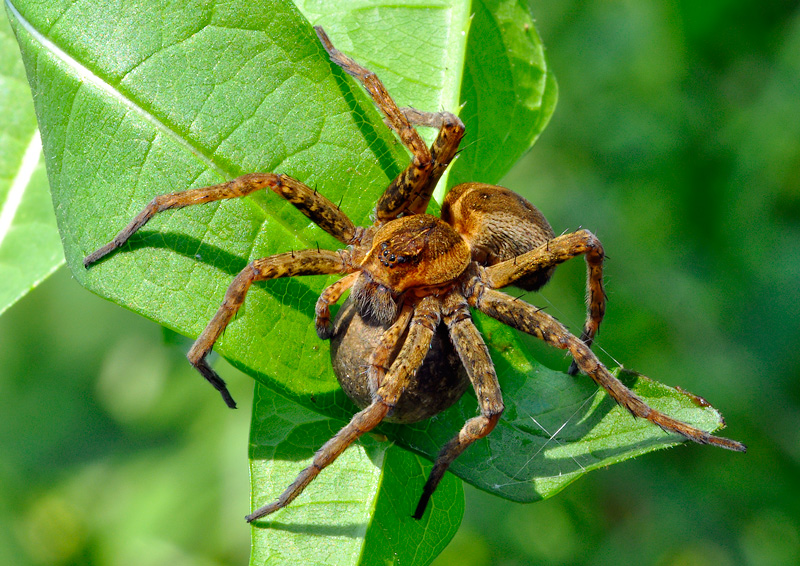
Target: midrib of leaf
30, 247
14, 197
456, 59
87, 75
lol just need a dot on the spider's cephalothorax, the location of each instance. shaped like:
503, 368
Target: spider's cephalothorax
413, 279
416, 253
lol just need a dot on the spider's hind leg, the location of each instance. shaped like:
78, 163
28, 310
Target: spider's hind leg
421, 323
556, 251
527, 318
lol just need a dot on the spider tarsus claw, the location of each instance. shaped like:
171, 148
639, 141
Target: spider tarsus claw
97, 255
223, 390
421, 506
325, 332
323, 38
262, 512
228, 399
728, 444
201, 365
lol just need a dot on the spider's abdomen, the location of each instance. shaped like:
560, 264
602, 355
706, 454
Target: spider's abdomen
498, 225
416, 251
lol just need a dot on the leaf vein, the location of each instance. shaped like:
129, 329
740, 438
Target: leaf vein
87, 75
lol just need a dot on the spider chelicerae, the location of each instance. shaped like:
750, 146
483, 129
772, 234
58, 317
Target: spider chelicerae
411, 275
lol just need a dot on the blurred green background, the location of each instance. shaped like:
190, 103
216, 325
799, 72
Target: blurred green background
677, 141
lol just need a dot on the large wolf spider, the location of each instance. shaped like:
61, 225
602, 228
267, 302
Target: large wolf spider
413, 275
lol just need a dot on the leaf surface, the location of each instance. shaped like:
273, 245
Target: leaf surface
30, 248
357, 505
144, 99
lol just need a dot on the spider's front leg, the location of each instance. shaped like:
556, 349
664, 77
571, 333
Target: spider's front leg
304, 262
556, 251
411, 191
527, 318
319, 209
475, 358
421, 322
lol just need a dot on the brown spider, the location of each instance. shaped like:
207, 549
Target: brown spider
414, 275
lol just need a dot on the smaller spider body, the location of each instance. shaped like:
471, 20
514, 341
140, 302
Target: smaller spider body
405, 346
498, 225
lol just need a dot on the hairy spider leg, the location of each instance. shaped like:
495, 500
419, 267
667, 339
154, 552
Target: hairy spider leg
290, 264
556, 251
330, 296
319, 209
528, 318
475, 358
411, 191
443, 150
421, 322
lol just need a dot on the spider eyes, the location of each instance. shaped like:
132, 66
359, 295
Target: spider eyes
388, 259
394, 258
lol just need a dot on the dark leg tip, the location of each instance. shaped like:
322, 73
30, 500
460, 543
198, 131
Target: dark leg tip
228, 399
100, 253
90, 259
211, 376
421, 506
325, 332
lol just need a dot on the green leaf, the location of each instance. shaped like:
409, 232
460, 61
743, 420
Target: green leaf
555, 427
30, 248
508, 93
360, 504
139, 99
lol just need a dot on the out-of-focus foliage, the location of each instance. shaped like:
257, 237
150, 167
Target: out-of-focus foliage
677, 140
111, 454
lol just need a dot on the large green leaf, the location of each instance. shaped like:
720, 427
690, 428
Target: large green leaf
357, 504
140, 99
508, 92
30, 248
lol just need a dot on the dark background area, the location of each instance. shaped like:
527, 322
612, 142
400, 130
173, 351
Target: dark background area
677, 141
